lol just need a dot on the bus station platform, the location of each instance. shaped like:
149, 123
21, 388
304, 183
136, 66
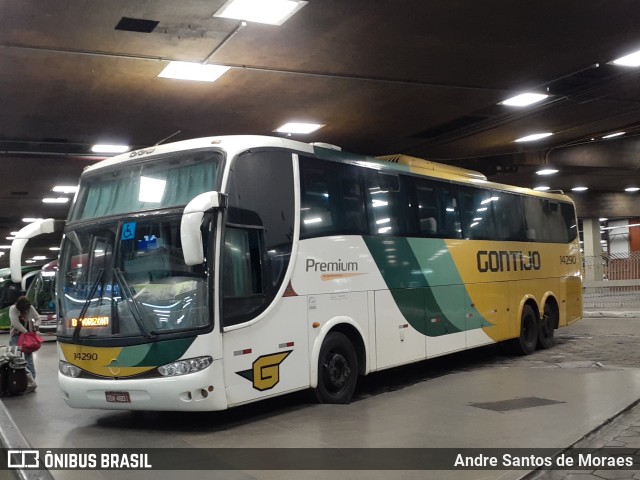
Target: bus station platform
582, 392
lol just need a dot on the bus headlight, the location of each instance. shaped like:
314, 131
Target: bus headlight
182, 367
68, 370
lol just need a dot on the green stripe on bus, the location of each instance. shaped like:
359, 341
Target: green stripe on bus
154, 354
424, 282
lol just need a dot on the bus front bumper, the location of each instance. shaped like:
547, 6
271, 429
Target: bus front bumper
200, 391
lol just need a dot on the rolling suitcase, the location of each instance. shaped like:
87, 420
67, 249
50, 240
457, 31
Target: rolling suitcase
13, 377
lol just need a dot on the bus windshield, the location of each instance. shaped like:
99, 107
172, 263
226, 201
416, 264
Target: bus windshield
163, 183
128, 279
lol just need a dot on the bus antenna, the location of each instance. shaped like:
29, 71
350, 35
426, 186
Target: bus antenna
167, 138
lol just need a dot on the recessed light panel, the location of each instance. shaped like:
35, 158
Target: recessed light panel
193, 71
65, 189
631, 60
524, 99
547, 171
303, 128
534, 137
105, 148
271, 12
579, 189
613, 135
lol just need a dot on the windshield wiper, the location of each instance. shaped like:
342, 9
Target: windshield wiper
133, 306
85, 307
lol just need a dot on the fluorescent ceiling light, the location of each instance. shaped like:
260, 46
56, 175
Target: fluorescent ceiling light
10, 238
524, 99
617, 134
547, 171
65, 189
631, 60
55, 200
632, 189
533, 137
271, 12
54, 249
31, 220
105, 148
579, 189
39, 257
293, 127
542, 188
198, 72
603, 219
29, 261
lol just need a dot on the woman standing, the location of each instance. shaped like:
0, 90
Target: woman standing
24, 318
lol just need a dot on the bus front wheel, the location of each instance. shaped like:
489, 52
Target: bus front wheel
337, 370
526, 343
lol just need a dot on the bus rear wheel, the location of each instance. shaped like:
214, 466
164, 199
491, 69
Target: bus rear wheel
526, 343
337, 370
546, 327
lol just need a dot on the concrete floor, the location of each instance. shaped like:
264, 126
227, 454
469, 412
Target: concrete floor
581, 383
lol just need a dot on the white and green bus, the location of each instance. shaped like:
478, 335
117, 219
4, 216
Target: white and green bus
210, 273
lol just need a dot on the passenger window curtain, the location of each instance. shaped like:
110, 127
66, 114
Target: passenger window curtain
122, 195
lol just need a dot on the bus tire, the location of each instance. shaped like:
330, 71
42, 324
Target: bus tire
546, 327
526, 343
337, 369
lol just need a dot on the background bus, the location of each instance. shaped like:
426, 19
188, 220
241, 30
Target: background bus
225, 270
41, 293
10, 290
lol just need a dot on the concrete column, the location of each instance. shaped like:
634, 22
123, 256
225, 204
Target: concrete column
619, 238
591, 234
593, 262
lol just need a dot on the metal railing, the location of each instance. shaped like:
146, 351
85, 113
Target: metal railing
612, 280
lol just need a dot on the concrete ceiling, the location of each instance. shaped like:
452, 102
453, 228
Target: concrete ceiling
423, 78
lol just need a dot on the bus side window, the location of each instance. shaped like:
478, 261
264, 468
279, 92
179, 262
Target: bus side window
508, 216
558, 226
428, 209
332, 201
387, 204
316, 216
437, 209
569, 216
477, 213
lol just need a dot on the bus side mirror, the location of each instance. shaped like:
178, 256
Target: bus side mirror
48, 225
190, 234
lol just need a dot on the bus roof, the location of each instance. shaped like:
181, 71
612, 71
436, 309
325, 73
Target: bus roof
235, 144
5, 273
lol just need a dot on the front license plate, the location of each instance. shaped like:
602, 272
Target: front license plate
118, 397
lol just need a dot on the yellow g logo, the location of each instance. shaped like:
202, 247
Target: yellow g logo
265, 373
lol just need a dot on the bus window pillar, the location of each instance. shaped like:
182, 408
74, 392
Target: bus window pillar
594, 268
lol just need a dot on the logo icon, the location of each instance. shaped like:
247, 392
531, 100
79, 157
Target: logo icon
23, 459
265, 373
